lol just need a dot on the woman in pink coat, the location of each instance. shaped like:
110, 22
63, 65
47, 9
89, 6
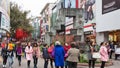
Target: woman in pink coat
29, 52
104, 54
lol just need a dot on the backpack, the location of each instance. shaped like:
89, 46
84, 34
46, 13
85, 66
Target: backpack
10, 46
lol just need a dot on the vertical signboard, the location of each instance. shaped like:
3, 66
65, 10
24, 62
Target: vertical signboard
5, 23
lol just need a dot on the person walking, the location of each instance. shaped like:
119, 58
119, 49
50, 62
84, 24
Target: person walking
66, 48
104, 54
58, 54
73, 54
45, 55
50, 50
36, 54
4, 54
29, 52
91, 48
19, 52
112, 50
10, 49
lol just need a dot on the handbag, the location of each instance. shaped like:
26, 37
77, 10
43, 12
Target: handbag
96, 55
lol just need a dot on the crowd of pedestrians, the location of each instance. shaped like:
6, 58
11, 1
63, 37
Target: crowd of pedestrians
60, 56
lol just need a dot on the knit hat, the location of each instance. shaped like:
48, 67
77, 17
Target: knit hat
57, 43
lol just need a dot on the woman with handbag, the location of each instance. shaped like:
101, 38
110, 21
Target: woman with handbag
73, 54
104, 54
36, 54
29, 53
92, 47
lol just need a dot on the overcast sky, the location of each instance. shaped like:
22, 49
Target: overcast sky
35, 6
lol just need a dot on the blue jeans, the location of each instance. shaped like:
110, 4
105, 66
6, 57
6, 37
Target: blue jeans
10, 61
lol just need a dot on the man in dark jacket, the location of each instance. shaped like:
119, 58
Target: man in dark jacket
45, 55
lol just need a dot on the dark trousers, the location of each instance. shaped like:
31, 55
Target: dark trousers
45, 63
103, 64
28, 63
66, 64
35, 61
19, 59
116, 56
4, 60
92, 63
51, 63
58, 66
110, 54
72, 64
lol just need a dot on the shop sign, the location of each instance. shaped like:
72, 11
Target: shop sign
73, 31
77, 38
110, 5
88, 32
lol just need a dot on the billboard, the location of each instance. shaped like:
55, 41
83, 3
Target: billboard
69, 3
89, 14
109, 21
72, 3
110, 5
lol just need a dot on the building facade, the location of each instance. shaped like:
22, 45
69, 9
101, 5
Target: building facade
46, 23
4, 17
107, 20
36, 26
67, 21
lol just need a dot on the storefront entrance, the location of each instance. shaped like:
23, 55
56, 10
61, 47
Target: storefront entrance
114, 36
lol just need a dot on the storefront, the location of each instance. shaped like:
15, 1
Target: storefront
114, 36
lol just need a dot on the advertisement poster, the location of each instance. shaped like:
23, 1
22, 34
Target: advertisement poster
70, 3
110, 5
89, 13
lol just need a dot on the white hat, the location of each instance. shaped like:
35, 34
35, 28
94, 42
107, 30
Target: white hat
57, 43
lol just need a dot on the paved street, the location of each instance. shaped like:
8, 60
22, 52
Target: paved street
116, 64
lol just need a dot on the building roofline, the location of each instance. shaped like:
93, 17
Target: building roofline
45, 7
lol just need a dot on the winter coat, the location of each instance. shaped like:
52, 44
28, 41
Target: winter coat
104, 53
50, 50
59, 54
19, 50
45, 53
36, 51
4, 52
29, 52
89, 51
66, 48
73, 54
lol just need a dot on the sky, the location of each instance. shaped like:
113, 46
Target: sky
35, 6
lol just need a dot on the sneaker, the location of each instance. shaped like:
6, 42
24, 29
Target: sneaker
3, 66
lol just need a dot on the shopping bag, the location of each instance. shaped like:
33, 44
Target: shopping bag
96, 55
